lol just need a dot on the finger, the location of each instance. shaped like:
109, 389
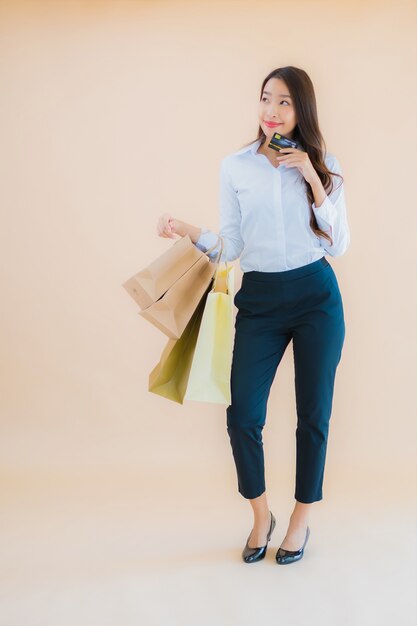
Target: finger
162, 224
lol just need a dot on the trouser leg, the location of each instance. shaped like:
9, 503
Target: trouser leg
317, 343
258, 350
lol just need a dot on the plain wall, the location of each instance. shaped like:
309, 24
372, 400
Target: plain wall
114, 112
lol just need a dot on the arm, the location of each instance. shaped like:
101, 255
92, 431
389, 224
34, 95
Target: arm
182, 228
330, 212
230, 220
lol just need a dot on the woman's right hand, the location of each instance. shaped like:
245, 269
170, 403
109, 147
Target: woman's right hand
166, 226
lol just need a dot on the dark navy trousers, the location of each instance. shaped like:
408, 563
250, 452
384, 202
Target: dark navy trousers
303, 304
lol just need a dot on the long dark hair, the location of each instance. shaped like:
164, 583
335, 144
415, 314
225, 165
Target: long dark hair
306, 133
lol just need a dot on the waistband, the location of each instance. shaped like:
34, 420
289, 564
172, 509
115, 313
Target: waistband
297, 272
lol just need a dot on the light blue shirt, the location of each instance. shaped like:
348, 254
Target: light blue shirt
265, 214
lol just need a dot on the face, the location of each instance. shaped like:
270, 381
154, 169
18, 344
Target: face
277, 106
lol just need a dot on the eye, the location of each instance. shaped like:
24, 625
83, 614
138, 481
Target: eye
264, 98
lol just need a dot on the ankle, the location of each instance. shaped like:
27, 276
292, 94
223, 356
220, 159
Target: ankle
297, 520
262, 517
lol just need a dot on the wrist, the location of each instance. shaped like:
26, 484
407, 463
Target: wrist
319, 193
315, 182
182, 229
179, 227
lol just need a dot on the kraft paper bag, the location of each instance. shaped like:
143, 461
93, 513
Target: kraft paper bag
170, 376
148, 285
172, 312
209, 378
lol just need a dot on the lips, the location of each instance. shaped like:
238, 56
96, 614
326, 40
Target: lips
272, 124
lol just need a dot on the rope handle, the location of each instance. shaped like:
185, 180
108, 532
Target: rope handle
216, 273
219, 254
213, 247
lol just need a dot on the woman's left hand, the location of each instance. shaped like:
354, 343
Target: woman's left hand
292, 157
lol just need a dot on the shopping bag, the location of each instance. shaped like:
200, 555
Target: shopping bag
172, 311
169, 377
209, 378
148, 285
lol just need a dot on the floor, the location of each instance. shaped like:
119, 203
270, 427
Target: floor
118, 547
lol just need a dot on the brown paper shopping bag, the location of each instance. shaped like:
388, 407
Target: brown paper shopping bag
146, 286
173, 310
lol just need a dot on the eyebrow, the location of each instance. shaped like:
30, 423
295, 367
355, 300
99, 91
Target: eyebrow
281, 95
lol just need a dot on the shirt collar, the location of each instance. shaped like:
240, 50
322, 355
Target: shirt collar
251, 147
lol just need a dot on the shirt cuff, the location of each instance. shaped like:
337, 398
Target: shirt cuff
325, 214
207, 240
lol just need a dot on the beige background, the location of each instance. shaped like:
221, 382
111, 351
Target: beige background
118, 504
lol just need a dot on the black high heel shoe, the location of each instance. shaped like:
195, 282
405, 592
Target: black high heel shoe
283, 557
250, 555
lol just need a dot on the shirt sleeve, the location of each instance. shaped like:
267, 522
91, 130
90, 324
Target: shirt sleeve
230, 221
331, 215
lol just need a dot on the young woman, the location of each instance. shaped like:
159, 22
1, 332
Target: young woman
281, 213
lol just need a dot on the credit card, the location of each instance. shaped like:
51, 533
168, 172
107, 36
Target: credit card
280, 141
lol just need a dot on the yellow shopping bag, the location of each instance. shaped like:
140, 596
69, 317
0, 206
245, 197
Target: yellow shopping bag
209, 378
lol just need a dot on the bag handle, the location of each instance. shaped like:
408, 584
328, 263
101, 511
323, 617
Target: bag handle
217, 261
213, 247
223, 245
